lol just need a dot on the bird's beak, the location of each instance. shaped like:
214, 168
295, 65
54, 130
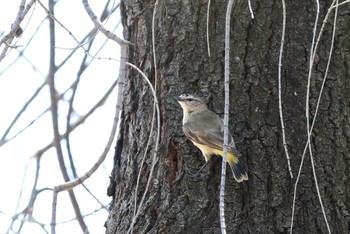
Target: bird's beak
179, 98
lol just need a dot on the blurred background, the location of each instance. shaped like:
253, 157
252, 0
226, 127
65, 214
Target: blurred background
84, 74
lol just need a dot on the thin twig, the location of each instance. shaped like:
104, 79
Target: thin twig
120, 83
84, 64
2, 142
103, 207
208, 14
100, 27
81, 120
105, 15
250, 9
226, 116
312, 57
28, 215
30, 100
73, 183
53, 213
316, 112
154, 159
15, 26
3, 138
280, 89
53, 18
307, 103
153, 112
22, 186
342, 3
54, 111
32, 219
28, 210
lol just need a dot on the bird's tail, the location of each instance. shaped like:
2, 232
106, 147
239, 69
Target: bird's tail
238, 170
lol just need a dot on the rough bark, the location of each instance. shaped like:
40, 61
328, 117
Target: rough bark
179, 203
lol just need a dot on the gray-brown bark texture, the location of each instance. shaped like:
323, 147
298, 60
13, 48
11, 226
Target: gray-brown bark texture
179, 203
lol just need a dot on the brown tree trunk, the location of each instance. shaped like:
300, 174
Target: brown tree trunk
179, 203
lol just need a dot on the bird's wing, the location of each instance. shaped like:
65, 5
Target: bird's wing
208, 130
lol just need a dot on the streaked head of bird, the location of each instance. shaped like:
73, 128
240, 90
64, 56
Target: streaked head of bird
190, 103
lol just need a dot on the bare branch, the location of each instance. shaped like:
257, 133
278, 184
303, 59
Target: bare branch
280, 89
120, 83
30, 100
208, 14
28, 210
25, 216
53, 213
340, 4
154, 108
15, 26
154, 159
226, 117
54, 111
100, 27
250, 9
310, 129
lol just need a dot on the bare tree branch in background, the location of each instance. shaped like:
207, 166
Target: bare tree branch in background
8, 38
58, 99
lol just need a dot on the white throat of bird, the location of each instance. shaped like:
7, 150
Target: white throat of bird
189, 105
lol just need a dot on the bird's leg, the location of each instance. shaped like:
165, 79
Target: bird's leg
197, 173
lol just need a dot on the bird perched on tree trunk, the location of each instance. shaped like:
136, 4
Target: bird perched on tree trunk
206, 130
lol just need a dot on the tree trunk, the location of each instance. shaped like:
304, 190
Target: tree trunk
179, 203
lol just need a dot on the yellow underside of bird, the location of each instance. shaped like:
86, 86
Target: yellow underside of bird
208, 151
237, 169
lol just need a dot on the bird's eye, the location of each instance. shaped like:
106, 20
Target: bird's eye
190, 99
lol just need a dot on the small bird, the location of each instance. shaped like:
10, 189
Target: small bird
206, 130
